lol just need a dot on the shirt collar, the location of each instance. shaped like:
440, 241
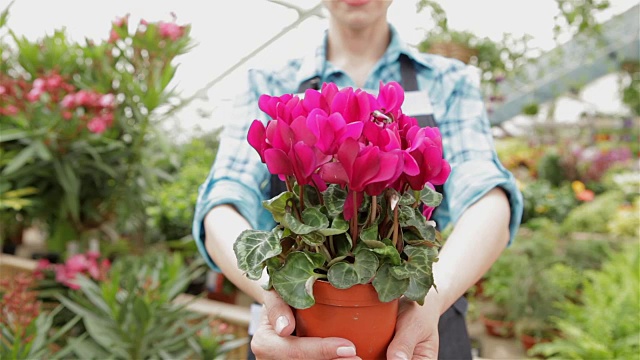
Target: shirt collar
314, 63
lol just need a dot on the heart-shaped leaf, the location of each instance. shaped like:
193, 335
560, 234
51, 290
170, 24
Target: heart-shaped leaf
253, 248
294, 281
430, 197
312, 219
338, 226
388, 286
277, 205
334, 198
343, 275
419, 267
366, 265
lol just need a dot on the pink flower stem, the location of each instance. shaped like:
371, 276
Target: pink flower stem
354, 221
416, 194
395, 227
301, 198
374, 208
331, 245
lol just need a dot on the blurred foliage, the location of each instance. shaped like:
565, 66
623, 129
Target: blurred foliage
543, 200
594, 216
175, 200
497, 60
137, 298
550, 169
79, 124
604, 323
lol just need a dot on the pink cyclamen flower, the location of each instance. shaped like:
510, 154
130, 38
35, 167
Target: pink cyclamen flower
390, 97
170, 30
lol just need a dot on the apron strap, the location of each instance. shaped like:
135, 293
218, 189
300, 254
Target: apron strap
410, 83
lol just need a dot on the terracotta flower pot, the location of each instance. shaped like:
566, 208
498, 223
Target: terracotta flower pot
529, 341
355, 314
497, 327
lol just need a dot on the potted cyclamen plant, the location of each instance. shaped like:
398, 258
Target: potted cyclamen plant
352, 233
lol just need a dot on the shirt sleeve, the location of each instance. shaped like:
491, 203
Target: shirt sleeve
237, 176
469, 148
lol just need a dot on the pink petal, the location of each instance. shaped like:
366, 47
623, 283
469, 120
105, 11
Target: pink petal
443, 175
334, 173
278, 162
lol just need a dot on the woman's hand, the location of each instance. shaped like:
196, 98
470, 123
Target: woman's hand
416, 332
273, 340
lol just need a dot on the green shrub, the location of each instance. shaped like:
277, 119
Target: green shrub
176, 199
543, 200
594, 216
550, 169
131, 315
604, 324
625, 221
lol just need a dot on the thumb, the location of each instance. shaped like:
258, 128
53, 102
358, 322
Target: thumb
402, 345
279, 313
411, 343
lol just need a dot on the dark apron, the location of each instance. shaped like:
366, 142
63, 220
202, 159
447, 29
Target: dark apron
452, 327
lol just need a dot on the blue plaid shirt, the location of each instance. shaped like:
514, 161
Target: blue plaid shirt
237, 176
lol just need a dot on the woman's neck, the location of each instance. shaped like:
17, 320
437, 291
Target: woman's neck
356, 51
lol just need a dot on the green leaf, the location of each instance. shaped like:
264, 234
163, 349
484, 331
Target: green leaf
418, 224
407, 199
343, 244
87, 349
430, 197
389, 253
334, 198
312, 216
370, 233
103, 333
312, 220
387, 285
366, 265
4, 15
253, 248
314, 239
343, 275
294, 281
419, 267
338, 226
26, 155
71, 185
141, 312
405, 214
373, 244
277, 205
42, 151
12, 134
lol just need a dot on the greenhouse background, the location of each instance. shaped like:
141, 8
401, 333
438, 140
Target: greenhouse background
87, 211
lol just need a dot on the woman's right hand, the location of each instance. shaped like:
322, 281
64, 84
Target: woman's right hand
273, 339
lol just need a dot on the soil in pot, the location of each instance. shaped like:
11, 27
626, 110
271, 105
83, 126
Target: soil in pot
497, 325
529, 338
355, 314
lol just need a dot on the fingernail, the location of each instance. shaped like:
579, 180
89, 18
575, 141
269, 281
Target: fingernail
346, 351
281, 323
401, 356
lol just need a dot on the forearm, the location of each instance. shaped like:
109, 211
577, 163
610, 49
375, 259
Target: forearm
480, 235
223, 224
